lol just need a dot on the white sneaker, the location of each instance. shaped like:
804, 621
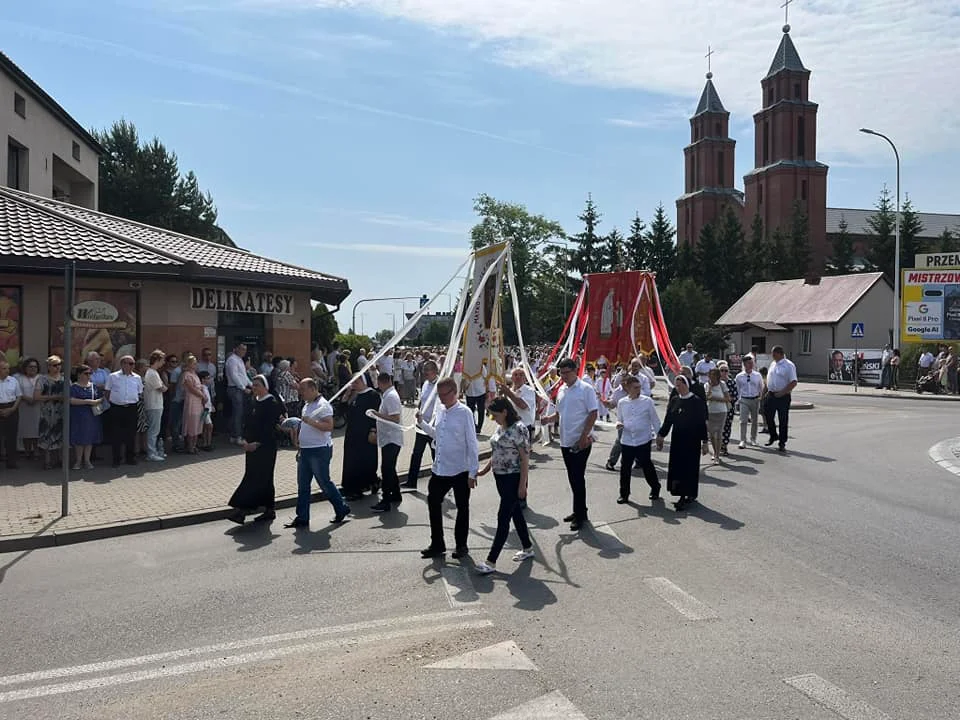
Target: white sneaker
76, 466
523, 555
484, 568
742, 445
154, 458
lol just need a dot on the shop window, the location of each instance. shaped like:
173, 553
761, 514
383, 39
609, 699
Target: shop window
19, 105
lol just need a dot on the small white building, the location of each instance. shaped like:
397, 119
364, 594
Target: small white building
811, 318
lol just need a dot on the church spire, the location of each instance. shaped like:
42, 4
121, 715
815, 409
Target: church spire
786, 57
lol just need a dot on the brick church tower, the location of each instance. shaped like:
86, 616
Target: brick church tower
709, 162
785, 157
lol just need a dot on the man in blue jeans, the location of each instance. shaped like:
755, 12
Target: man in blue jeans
316, 450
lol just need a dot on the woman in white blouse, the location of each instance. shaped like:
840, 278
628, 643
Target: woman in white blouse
639, 423
718, 403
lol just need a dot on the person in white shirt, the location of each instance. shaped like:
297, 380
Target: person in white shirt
389, 440
238, 387
638, 423
523, 397
577, 410
266, 367
123, 390
455, 466
749, 388
687, 356
208, 366
428, 402
385, 365
10, 395
315, 444
781, 380
926, 362
477, 396
704, 367
604, 388
153, 390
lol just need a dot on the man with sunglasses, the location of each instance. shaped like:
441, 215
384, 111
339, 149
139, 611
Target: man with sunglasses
123, 390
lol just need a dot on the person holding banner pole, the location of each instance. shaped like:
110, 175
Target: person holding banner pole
428, 401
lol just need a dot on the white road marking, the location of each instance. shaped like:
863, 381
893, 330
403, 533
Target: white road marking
111, 665
502, 656
942, 455
460, 591
682, 601
552, 706
607, 537
834, 698
220, 663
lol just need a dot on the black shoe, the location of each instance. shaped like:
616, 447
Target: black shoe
460, 552
570, 518
576, 525
654, 494
297, 523
268, 516
398, 498
433, 552
382, 506
782, 448
237, 517
339, 517
772, 440
410, 484
623, 500
611, 467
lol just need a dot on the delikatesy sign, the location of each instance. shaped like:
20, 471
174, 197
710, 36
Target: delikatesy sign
241, 301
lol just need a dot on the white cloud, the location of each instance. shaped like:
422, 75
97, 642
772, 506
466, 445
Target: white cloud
436, 226
884, 63
437, 251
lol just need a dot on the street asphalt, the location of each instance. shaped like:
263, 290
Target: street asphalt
815, 585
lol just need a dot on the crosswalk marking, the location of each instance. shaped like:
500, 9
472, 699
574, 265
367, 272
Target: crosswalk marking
834, 698
502, 656
681, 601
552, 706
460, 591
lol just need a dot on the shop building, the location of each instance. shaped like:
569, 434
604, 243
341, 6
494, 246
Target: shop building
140, 287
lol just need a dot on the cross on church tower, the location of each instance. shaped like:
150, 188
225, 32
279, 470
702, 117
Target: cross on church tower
709, 57
786, 15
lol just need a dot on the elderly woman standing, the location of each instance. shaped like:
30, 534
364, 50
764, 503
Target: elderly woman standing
49, 393
193, 399
718, 404
257, 488
287, 389
85, 425
686, 418
731, 384
28, 430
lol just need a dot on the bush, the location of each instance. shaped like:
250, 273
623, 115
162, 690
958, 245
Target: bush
354, 343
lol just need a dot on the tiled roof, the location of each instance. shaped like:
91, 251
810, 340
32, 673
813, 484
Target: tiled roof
933, 223
710, 99
37, 227
794, 302
787, 57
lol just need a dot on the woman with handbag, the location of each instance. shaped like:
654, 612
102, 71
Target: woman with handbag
86, 405
718, 405
360, 455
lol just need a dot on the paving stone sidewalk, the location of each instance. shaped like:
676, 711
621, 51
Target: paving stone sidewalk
183, 490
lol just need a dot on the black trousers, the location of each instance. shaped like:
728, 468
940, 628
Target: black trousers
390, 483
8, 435
641, 455
123, 430
478, 406
576, 463
508, 486
437, 489
420, 444
778, 411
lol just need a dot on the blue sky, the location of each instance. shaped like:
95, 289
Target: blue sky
351, 136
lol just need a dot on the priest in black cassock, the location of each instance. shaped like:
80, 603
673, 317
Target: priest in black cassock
686, 418
360, 454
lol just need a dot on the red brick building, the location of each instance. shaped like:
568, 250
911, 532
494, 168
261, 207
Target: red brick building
786, 170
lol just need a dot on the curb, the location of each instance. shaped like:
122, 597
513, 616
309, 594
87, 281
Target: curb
28, 542
942, 454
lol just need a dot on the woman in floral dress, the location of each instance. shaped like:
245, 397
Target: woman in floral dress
49, 393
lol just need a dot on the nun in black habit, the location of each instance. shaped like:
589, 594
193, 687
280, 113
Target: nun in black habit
256, 489
686, 418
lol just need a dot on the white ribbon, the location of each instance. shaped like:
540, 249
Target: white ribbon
373, 416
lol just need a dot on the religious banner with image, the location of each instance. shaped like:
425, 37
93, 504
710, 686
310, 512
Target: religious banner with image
11, 329
483, 335
612, 323
105, 321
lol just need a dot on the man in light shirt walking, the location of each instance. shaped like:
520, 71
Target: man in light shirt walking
425, 410
389, 440
781, 380
749, 387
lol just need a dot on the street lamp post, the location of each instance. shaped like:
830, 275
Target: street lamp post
393, 316
353, 322
896, 261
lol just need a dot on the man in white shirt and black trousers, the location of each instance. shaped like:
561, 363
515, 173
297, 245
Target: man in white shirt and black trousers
428, 404
389, 440
577, 408
238, 389
455, 466
123, 391
781, 380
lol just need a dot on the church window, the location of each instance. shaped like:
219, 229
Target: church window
720, 169
717, 132
770, 96
759, 193
796, 90
801, 138
803, 189
696, 172
766, 142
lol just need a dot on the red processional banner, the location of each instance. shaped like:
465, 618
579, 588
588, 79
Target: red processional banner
614, 318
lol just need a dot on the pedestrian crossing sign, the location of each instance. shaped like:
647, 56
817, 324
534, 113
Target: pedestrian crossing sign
856, 330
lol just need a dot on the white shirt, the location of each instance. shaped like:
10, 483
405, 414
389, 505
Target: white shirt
428, 403
926, 360
387, 433
10, 391
124, 389
265, 369
211, 370
385, 364
310, 437
575, 403
639, 419
686, 357
780, 374
703, 370
651, 380
332, 363
455, 436
526, 393
477, 386
152, 391
749, 384
236, 372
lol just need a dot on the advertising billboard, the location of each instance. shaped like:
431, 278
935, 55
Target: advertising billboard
931, 305
841, 366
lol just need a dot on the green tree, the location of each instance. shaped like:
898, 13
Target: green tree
661, 249
686, 266
500, 221
323, 326
354, 343
910, 229
881, 229
436, 333
686, 306
842, 261
589, 257
779, 262
382, 337
947, 242
798, 243
759, 253
614, 252
142, 182
637, 248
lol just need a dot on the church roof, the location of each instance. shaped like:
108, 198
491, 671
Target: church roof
787, 57
710, 99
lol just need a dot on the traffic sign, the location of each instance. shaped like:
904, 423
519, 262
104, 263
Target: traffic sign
856, 330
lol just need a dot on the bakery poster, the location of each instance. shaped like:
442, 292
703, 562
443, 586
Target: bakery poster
11, 330
104, 321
